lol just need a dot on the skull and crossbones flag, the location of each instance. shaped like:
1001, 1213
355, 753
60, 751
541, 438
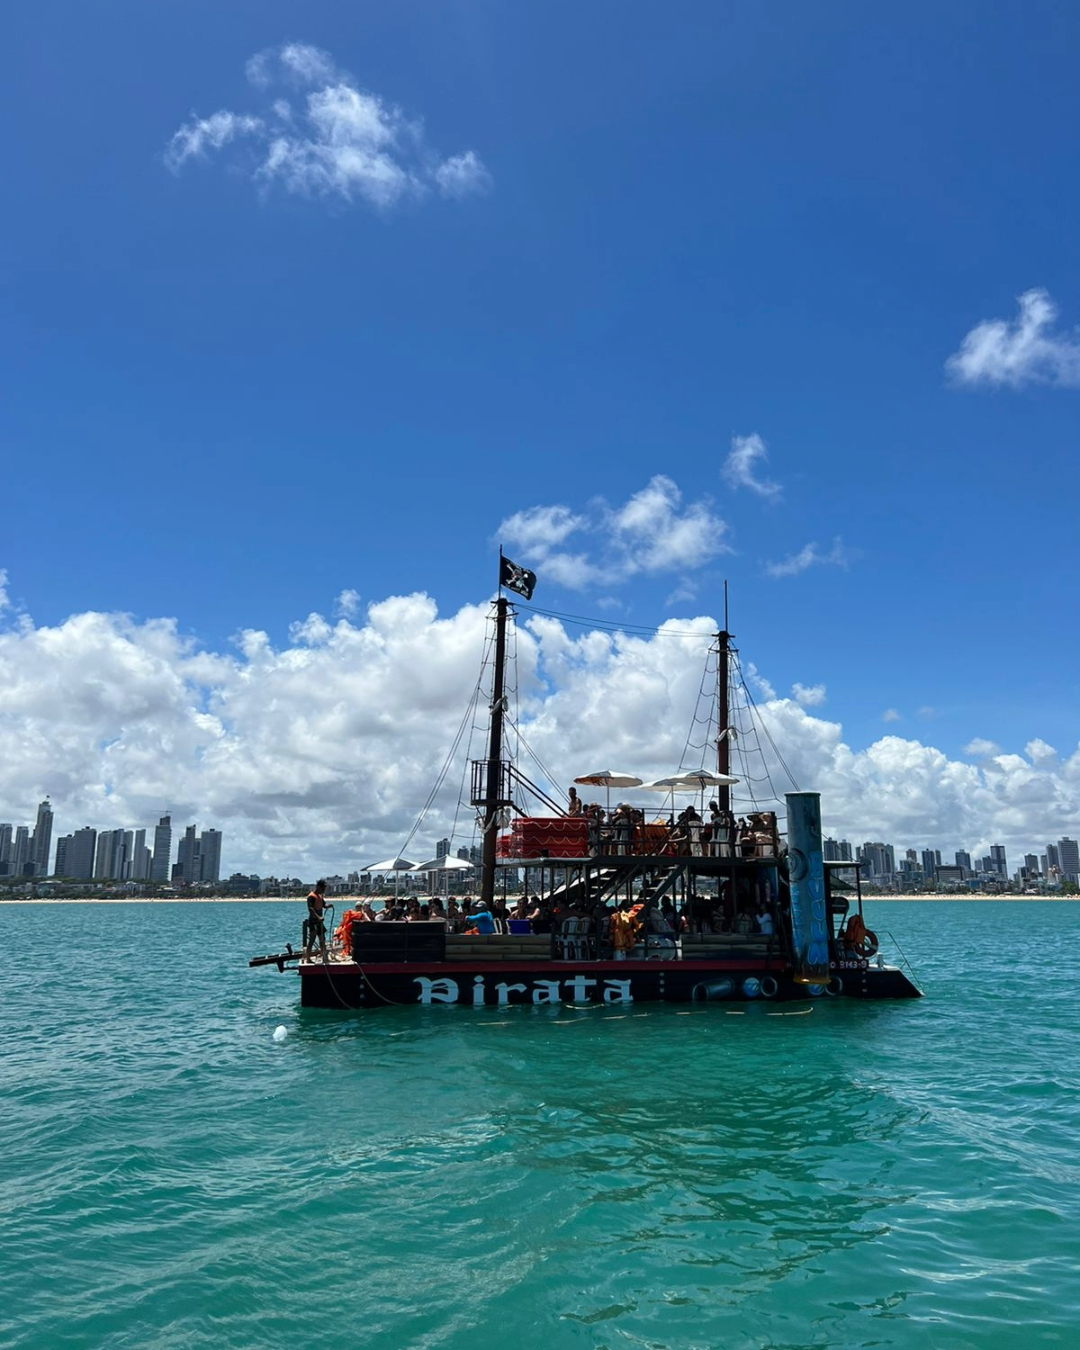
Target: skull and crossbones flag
518, 579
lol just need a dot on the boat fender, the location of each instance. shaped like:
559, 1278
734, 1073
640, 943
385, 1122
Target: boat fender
769, 987
835, 986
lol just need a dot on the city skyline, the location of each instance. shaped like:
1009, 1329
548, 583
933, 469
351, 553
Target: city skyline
121, 854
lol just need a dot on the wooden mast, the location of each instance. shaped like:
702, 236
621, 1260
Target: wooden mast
723, 711
492, 794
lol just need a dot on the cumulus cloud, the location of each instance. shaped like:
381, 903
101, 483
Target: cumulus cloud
1026, 350
348, 603
810, 696
746, 453
5, 603
651, 532
979, 748
315, 755
344, 142
810, 555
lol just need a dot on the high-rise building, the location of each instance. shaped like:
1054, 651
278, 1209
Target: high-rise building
210, 855
997, 861
60, 868
141, 858
103, 856
1069, 855
442, 848
5, 849
836, 850
159, 867
42, 842
879, 860
1053, 858
1031, 865
187, 856
929, 863
20, 851
963, 860
79, 862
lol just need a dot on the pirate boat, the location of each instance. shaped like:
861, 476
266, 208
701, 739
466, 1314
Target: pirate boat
643, 912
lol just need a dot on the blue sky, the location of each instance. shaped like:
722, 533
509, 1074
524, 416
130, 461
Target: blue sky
232, 394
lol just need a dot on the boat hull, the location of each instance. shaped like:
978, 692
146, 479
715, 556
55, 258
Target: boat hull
345, 985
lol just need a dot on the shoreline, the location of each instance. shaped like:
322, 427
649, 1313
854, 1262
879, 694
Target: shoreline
347, 900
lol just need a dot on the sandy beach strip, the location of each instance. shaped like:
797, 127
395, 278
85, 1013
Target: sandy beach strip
347, 901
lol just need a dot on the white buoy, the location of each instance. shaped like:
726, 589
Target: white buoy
280, 1033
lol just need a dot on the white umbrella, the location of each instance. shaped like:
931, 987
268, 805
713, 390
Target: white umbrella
702, 778
609, 778
444, 864
394, 865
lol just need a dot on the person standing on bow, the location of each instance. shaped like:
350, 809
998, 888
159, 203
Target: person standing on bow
315, 925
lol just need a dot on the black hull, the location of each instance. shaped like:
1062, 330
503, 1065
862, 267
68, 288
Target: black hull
346, 986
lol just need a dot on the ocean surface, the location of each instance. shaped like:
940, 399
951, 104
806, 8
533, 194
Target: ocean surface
868, 1175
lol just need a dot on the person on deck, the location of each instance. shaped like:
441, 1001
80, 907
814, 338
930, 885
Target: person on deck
482, 920
576, 806
315, 925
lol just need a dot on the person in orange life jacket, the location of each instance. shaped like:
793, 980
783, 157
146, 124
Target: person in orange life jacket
315, 926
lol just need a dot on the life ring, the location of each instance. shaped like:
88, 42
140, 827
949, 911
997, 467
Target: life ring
769, 987
860, 939
835, 986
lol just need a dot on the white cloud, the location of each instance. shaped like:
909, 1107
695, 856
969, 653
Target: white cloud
4, 601
890, 715
348, 604
346, 142
462, 175
1025, 351
810, 696
208, 133
308, 65
810, 555
745, 453
652, 532
1039, 752
980, 748
539, 529
316, 755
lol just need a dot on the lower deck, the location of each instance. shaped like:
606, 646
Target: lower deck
500, 971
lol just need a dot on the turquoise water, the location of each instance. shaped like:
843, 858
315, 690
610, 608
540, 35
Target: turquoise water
865, 1175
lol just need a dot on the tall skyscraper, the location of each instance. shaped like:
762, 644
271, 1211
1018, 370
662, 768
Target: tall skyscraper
20, 851
5, 849
1053, 858
62, 845
141, 857
80, 854
42, 844
963, 860
442, 848
187, 856
159, 868
210, 855
1069, 854
997, 860
1031, 864
836, 850
929, 864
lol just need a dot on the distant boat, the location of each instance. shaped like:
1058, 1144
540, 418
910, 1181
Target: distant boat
669, 909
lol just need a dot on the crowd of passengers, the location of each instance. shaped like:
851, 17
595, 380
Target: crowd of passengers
623, 831
702, 916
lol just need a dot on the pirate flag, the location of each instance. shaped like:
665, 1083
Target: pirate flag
516, 578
